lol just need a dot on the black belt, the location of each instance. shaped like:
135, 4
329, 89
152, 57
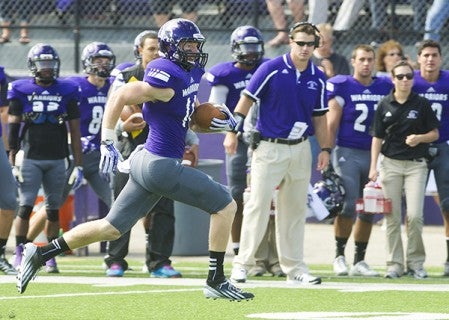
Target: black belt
284, 141
418, 160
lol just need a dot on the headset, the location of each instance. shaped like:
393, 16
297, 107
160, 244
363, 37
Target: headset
304, 23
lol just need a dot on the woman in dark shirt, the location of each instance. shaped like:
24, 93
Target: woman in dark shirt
403, 126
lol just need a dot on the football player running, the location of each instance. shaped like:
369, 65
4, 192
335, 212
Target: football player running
352, 102
169, 93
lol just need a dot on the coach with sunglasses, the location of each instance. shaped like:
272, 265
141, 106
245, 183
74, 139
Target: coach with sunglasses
290, 92
404, 125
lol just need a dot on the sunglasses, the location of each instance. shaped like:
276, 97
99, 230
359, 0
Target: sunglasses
305, 43
408, 76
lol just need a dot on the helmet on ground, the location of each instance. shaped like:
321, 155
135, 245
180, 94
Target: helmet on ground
247, 45
331, 191
43, 62
98, 50
138, 41
172, 37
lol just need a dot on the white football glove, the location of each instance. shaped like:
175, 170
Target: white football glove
76, 177
223, 125
17, 174
109, 158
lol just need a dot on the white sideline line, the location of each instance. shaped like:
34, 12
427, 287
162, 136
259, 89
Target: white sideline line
85, 294
341, 286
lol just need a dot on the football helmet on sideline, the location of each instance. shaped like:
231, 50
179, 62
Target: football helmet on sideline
172, 36
331, 191
98, 50
247, 45
43, 62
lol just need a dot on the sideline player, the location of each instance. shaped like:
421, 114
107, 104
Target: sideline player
227, 81
44, 104
352, 102
433, 83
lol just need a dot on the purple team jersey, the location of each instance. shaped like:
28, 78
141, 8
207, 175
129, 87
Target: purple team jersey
47, 102
437, 93
91, 103
286, 96
235, 79
359, 103
169, 121
3, 84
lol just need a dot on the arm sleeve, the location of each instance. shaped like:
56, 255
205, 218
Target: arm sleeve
218, 94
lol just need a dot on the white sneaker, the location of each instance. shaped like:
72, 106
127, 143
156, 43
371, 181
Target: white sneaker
361, 268
340, 268
238, 274
304, 279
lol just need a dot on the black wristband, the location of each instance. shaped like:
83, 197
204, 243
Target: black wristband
240, 119
328, 150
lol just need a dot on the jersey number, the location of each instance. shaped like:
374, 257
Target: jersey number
39, 106
95, 123
438, 109
359, 122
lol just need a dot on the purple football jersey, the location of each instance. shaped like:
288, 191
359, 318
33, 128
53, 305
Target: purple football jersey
169, 121
3, 91
286, 96
48, 101
359, 104
437, 93
92, 103
45, 110
235, 79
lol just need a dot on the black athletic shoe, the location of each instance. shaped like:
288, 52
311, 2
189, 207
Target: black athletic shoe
29, 267
6, 267
225, 290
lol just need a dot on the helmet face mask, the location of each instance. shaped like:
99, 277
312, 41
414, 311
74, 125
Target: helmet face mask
247, 45
175, 37
91, 64
43, 62
331, 192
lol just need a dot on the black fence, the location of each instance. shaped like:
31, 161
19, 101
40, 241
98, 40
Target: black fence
70, 24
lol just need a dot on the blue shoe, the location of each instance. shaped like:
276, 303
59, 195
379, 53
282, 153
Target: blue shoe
166, 271
115, 270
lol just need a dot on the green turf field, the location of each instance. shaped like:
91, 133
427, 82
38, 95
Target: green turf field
82, 291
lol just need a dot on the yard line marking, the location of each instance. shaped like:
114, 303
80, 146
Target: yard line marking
350, 315
84, 294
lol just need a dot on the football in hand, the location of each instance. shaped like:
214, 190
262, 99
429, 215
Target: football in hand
204, 113
128, 110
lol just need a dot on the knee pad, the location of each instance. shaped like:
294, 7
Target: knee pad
445, 205
24, 212
53, 215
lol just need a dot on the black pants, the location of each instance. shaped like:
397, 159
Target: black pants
160, 233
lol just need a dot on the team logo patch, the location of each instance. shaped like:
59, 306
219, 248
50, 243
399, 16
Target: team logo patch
312, 85
413, 114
